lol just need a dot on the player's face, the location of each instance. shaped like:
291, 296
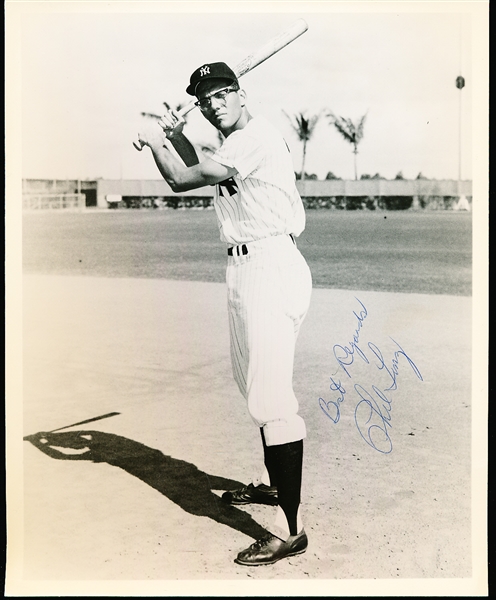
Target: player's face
221, 104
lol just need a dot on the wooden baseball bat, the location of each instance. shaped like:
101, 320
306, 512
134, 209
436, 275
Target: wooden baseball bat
255, 58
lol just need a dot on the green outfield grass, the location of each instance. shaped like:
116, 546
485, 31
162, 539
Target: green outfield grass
423, 252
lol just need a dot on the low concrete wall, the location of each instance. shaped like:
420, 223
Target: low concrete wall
384, 187
341, 188
142, 188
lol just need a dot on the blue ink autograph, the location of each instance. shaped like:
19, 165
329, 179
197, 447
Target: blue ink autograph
393, 372
331, 408
345, 355
373, 411
376, 434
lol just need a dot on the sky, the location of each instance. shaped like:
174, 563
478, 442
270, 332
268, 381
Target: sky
86, 71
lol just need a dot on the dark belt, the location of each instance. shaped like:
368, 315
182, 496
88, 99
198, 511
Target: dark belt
243, 249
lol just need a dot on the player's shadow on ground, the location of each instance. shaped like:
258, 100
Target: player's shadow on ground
180, 481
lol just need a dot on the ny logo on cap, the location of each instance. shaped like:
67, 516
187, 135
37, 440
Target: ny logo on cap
204, 70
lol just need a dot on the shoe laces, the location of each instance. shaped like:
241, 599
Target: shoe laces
263, 541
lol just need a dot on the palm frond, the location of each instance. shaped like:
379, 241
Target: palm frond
342, 126
313, 121
180, 106
150, 115
350, 124
352, 132
302, 124
360, 128
177, 108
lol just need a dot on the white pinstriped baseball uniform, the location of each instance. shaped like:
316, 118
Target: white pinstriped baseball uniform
269, 282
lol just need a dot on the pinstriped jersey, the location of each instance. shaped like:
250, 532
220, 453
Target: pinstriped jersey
261, 200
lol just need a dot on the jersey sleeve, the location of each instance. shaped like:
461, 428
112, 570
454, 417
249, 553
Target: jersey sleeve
242, 152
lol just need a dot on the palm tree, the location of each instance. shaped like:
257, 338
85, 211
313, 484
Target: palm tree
177, 108
304, 127
352, 132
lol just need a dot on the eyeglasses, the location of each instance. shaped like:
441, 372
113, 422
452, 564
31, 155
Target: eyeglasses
220, 96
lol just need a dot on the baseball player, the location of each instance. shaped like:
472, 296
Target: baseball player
260, 214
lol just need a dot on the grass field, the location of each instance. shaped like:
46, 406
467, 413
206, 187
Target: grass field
424, 252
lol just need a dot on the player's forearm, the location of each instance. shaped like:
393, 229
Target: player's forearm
171, 169
185, 149
180, 177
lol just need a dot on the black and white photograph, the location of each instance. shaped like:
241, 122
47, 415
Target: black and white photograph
246, 298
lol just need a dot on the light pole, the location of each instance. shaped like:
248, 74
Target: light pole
460, 84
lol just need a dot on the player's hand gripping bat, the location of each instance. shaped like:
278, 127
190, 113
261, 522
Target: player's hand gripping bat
253, 60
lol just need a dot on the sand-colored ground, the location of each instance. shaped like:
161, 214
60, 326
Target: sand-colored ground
129, 497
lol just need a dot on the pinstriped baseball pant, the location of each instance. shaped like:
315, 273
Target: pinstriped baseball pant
269, 292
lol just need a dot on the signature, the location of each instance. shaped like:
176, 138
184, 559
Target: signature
393, 372
345, 355
373, 417
374, 407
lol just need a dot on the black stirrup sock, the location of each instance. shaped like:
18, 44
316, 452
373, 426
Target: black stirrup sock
286, 462
267, 462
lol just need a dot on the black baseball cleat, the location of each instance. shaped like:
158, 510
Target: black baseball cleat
250, 494
270, 549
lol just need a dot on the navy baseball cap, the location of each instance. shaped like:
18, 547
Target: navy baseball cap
216, 70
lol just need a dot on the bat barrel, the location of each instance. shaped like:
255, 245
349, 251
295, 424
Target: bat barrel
271, 47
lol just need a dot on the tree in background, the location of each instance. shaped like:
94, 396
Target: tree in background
307, 176
367, 176
304, 127
351, 132
177, 108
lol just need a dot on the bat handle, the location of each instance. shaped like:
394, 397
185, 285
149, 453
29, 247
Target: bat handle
182, 112
186, 109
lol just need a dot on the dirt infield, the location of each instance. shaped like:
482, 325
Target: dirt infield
131, 497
